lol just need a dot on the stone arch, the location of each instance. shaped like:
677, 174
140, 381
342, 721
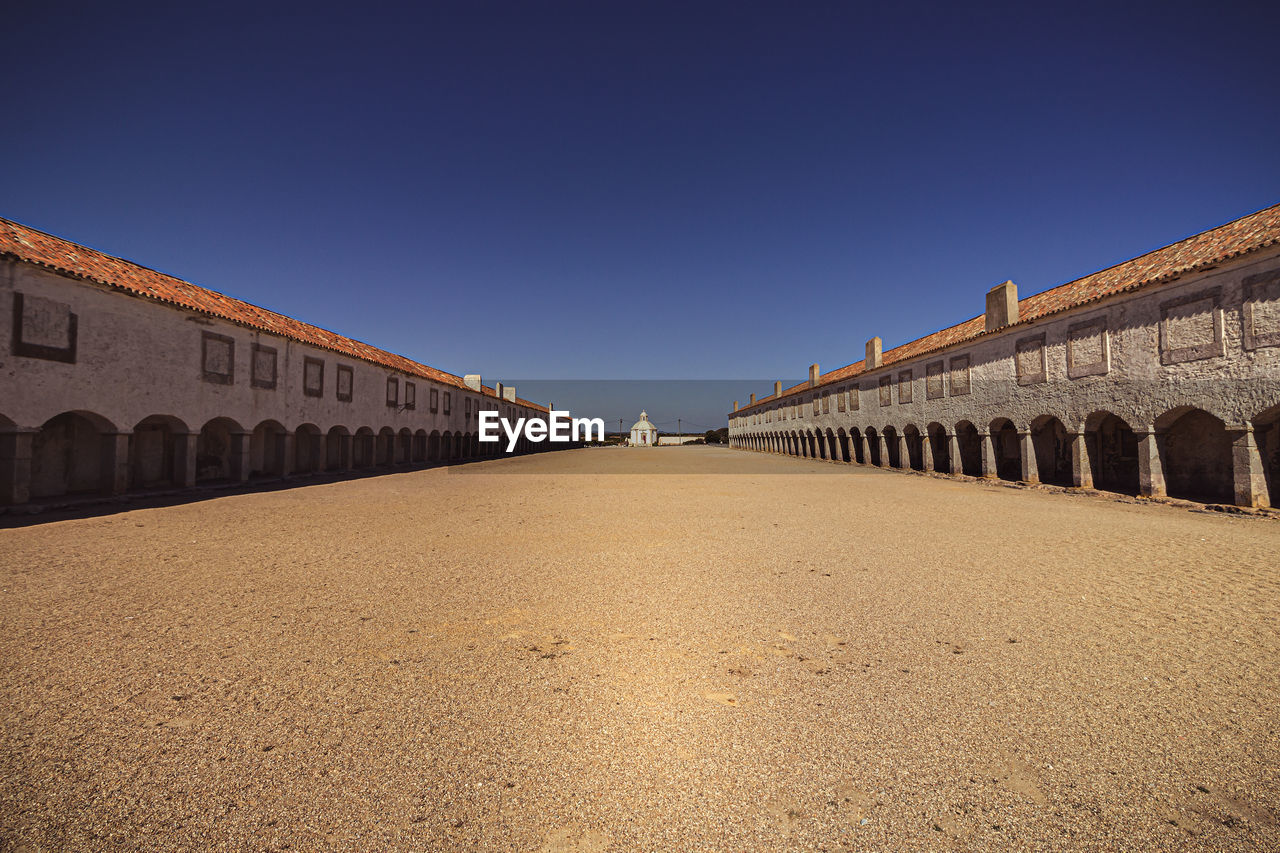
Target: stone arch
1196, 456
873, 447
915, 447
892, 446
1266, 433
1052, 447
70, 454
158, 452
220, 451
267, 449
940, 445
970, 444
308, 449
363, 448
1112, 447
859, 455
337, 449
1007, 449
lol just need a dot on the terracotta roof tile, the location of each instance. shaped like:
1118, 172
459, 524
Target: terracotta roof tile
1240, 237
36, 247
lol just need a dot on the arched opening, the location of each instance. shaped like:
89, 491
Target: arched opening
970, 448
842, 439
157, 452
941, 447
363, 448
267, 450
433, 446
386, 447
915, 447
468, 445
218, 451
811, 444
1053, 450
68, 455
420, 446
337, 449
308, 449
1007, 449
404, 446
1113, 453
1196, 456
873, 446
1266, 432
446, 446
892, 447
855, 446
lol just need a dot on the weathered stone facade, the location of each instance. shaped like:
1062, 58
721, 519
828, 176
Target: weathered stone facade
1160, 376
111, 381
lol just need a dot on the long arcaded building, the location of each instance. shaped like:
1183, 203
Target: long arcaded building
1158, 376
118, 378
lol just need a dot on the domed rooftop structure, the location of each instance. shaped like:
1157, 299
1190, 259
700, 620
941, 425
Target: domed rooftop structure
643, 433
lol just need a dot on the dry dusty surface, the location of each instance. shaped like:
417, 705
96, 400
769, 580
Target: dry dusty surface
759, 653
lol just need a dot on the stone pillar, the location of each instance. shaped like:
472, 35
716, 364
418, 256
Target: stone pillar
15, 466
953, 453
884, 450
287, 447
926, 452
1030, 471
988, 455
115, 462
240, 462
904, 455
1150, 470
866, 448
1246, 466
184, 459
1081, 468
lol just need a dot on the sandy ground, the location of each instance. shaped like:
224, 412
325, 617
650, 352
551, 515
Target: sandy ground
758, 653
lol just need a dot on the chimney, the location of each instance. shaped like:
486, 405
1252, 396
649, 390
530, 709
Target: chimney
509, 393
472, 381
875, 348
735, 405
777, 389
497, 390
1002, 306
813, 376
753, 400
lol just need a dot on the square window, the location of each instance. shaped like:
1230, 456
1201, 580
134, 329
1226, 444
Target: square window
345, 382
1029, 360
447, 397
44, 329
842, 399
393, 391
410, 395
815, 404
959, 375
1261, 312
1088, 350
312, 376
826, 404
854, 402
218, 358
933, 381
904, 386
468, 412
1191, 328
264, 367
435, 401
886, 390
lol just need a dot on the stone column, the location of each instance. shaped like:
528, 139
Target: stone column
988, 455
1030, 470
954, 462
15, 466
1150, 470
1246, 465
926, 452
1081, 468
184, 459
884, 450
904, 455
866, 448
115, 462
240, 462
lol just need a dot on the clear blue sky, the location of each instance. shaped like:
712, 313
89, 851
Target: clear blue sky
635, 190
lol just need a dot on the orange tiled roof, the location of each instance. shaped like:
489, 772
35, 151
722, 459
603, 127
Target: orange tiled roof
1240, 237
36, 247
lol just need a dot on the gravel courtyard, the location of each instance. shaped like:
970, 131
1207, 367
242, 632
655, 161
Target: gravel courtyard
642, 649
